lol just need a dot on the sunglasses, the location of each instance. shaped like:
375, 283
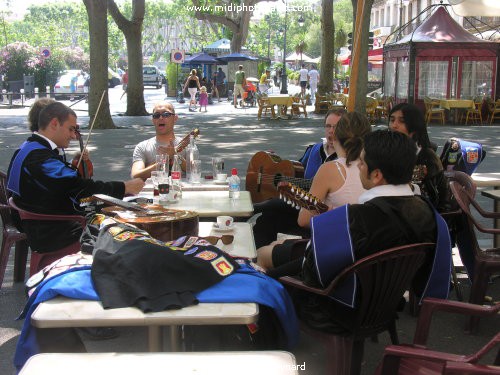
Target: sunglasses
164, 115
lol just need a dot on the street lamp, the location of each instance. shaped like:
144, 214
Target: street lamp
301, 21
268, 36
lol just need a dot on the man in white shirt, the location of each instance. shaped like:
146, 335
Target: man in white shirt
303, 76
313, 81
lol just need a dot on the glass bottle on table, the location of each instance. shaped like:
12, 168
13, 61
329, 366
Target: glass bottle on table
192, 153
176, 174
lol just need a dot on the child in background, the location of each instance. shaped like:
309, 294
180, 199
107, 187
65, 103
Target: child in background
203, 98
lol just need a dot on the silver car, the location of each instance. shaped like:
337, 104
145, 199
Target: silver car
151, 76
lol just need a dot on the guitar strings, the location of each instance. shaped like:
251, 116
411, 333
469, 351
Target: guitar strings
295, 180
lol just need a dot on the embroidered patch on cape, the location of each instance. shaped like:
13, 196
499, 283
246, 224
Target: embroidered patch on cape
191, 241
191, 251
222, 266
206, 255
472, 155
128, 235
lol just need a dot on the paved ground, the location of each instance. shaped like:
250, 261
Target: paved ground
235, 134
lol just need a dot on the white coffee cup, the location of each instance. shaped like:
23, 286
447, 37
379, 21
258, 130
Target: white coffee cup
224, 222
221, 176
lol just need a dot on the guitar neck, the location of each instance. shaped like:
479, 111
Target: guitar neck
185, 141
302, 183
298, 197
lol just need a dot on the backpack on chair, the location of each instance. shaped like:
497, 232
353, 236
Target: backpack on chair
461, 155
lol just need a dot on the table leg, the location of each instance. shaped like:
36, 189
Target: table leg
155, 339
174, 338
496, 238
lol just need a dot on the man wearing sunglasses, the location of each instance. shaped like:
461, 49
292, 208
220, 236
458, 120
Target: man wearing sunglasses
164, 142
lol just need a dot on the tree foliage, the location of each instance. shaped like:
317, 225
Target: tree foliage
233, 15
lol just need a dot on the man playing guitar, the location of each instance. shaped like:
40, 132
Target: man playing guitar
164, 142
277, 216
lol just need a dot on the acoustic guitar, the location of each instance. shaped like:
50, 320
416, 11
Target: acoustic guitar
299, 198
185, 141
266, 170
164, 224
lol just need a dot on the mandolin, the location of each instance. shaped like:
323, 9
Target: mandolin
185, 141
300, 198
266, 170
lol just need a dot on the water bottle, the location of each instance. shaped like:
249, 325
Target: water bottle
175, 174
234, 184
192, 153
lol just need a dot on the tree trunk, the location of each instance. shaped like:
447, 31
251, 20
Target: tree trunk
98, 31
359, 70
327, 52
132, 30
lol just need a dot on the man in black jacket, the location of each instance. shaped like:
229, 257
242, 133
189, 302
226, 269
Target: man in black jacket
41, 181
388, 215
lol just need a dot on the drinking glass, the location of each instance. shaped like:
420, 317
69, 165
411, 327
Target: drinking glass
154, 179
218, 166
196, 171
162, 161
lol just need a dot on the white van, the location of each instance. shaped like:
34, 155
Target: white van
151, 76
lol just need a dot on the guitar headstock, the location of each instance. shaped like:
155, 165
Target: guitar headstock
300, 198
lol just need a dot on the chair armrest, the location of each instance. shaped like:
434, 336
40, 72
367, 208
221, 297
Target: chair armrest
28, 215
299, 284
431, 305
482, 212
460, 368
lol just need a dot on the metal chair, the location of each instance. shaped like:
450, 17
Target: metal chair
495, 112
299, 106
485, 262
433, 111
474, 114
10, 236
382, 279
417, 359
265, 106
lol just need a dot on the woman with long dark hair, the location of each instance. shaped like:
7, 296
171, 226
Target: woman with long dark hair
429, 175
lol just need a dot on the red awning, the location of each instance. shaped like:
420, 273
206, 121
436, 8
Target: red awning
375, 57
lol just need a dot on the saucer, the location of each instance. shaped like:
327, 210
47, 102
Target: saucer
220, 182
225, 229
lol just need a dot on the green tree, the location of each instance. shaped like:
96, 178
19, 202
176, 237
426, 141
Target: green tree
233, 14
132, 30
18, 59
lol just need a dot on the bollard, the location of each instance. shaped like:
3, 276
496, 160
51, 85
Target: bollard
22, 97
4, 96
10, 95
47, 90
36, 93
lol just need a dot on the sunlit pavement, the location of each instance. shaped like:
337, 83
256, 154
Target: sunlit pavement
236, 135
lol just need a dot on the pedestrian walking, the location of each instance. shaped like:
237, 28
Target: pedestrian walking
203, 98
124, 83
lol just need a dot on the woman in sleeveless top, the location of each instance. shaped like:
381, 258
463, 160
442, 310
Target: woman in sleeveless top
337, 182
192, 84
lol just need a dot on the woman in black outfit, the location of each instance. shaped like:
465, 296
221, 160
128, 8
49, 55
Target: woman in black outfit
429, 175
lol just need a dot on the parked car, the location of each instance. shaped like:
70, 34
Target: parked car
114, 78
151, 76
62, 88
